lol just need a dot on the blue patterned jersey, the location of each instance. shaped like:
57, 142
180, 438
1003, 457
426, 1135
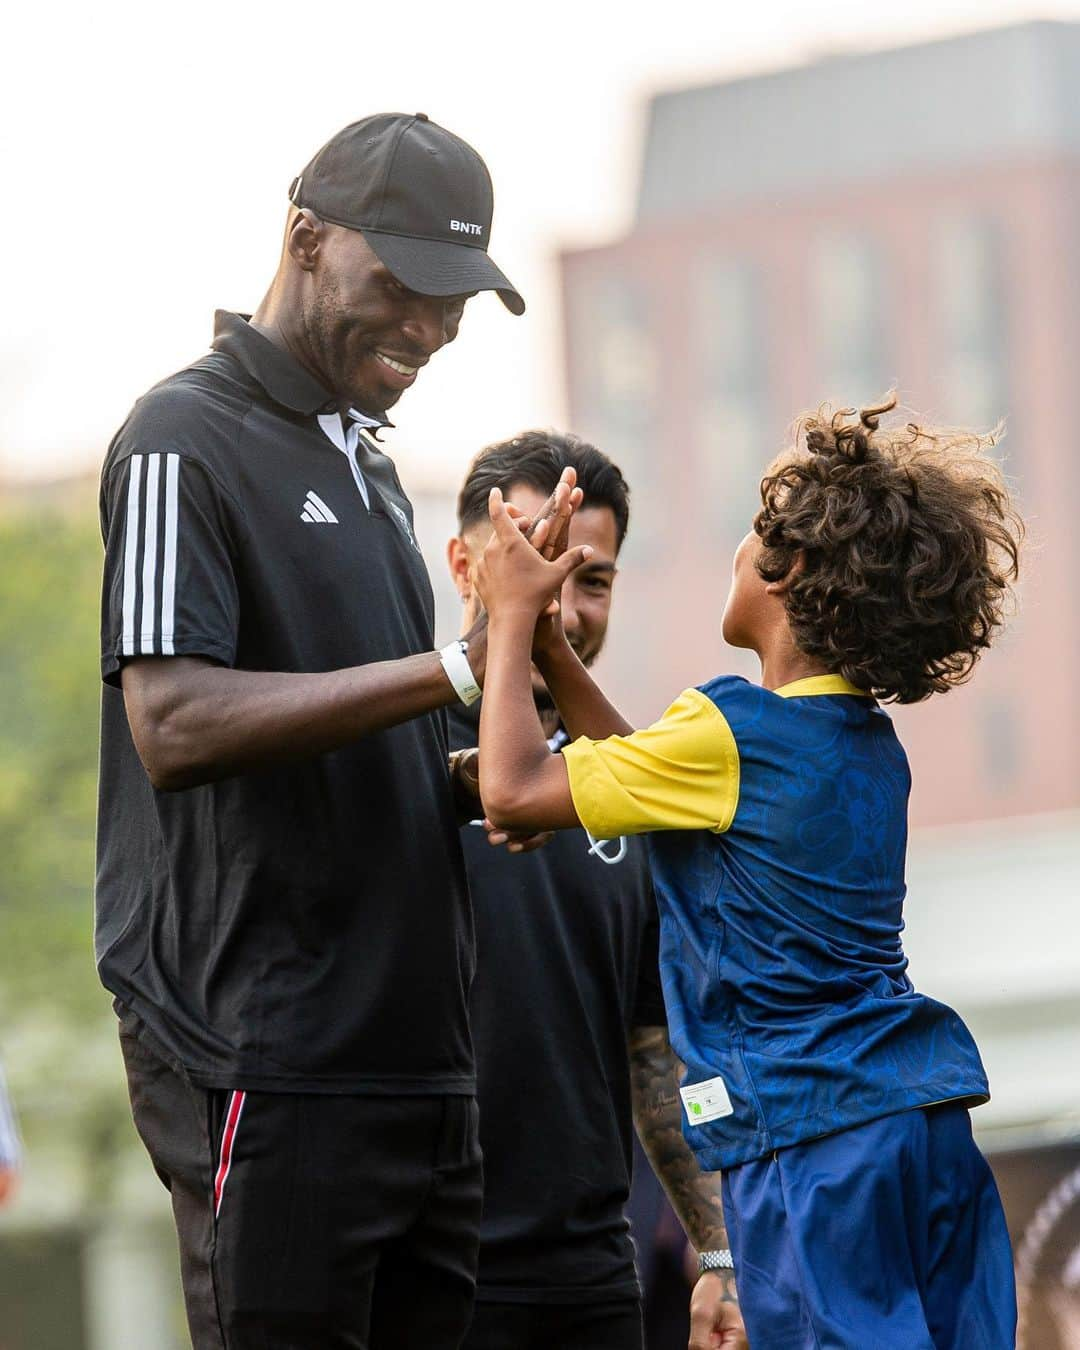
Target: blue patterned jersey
777, 828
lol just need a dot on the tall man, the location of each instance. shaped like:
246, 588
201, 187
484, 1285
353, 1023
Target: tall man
290, 965
567, 1013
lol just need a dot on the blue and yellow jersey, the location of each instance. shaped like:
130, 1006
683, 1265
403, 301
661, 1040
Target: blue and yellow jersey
777, 826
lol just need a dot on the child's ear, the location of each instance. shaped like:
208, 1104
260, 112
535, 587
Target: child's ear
781, 587
457, 558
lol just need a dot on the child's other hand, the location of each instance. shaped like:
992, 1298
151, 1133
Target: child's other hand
517, 841
557, 511
548, 635
512, 573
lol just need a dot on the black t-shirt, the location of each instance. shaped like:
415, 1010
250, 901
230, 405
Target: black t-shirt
307, 927
567, 941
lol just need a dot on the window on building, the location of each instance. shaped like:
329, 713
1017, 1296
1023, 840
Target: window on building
734, 406
617, 382
969, 286
1001, 744
850, 310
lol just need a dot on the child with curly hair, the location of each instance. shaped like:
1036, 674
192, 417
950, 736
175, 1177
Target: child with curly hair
833, 1095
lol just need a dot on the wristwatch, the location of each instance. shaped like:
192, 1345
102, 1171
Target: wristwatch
718, 1260
465, 770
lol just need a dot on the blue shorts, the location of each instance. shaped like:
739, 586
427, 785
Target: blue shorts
888, 1236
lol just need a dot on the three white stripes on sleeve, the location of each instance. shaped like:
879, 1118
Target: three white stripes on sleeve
146, 555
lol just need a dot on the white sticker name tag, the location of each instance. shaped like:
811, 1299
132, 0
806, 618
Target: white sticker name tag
706, 1101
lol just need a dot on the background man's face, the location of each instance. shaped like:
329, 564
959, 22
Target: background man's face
586, 596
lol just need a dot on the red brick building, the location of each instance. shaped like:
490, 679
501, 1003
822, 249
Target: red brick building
907, 218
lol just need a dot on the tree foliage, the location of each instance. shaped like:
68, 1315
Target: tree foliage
56, 1028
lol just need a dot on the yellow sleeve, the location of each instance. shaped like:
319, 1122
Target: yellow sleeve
682, 773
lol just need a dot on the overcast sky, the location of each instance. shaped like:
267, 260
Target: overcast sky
147, 150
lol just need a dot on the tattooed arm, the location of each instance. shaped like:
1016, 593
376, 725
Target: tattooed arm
694, 1194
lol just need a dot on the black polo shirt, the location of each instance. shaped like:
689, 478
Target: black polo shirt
302, 928
567, 941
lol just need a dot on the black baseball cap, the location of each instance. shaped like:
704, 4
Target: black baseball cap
420, 196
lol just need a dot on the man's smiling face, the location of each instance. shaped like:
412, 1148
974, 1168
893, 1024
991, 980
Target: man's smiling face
369, 334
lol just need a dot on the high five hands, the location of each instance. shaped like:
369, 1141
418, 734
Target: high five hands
554, 515
524, 565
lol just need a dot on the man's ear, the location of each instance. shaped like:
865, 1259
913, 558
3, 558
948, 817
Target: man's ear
304, 238
781, 587
457, 559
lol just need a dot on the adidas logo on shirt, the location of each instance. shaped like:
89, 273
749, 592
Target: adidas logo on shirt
316, 512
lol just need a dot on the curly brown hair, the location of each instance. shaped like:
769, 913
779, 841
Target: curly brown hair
904, 541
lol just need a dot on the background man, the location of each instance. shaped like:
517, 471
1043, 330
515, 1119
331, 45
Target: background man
567, 980
290, 968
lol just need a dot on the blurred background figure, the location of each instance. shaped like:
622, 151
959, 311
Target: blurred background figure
10, 1146
811, 205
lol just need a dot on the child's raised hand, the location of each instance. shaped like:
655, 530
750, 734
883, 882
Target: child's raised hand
513, 572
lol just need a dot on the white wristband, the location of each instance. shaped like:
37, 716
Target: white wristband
459, 672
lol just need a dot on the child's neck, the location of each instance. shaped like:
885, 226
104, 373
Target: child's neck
786, 664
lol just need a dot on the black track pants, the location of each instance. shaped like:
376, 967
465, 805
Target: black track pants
314, 1222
